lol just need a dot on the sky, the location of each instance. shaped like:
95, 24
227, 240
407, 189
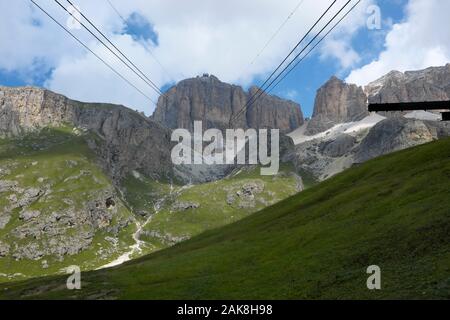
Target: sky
170, 40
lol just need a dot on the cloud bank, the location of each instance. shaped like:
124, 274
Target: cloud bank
420, 41
193, 37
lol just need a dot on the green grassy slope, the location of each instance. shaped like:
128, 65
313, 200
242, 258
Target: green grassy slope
219, 203
393, 212
60, 164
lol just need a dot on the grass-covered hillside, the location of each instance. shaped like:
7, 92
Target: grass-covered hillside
170, 213
57, 207
393, 212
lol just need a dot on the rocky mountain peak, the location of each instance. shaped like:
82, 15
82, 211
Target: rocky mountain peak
337, 102
214, 102
127, 140
334, 79
431, 84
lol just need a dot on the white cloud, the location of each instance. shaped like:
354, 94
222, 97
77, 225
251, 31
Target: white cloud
338, 44
291, 94
422, 40
342, 50
195, 36
26, 39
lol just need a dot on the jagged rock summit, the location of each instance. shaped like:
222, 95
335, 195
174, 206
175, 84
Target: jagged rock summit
214, 102
128, 140
431, 84
337, 102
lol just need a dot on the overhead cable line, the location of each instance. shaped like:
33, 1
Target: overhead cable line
150, 83
149, 49
264, 90
282, 63
320, 41
91, 51
277, 32
304, 49
117, 11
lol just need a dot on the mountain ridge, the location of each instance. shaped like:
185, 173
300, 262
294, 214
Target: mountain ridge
134, 152
214, 102
338, 101
315, 245
129, 140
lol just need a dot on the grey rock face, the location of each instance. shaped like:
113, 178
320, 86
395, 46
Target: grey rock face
337, 102
432, 84
51, 230
245, 195
128, 140
339, 147
4, 249
183, 206
28, 215
318, 160
166, 238
4, 219
214, 102
7, 185
399, 133
250, 189
326, 156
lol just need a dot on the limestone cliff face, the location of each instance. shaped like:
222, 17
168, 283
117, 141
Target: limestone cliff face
129, 141
399, 133
337, 102
431, 84
215, 102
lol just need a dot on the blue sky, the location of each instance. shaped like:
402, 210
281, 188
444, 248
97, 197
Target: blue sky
213, 37
302, 84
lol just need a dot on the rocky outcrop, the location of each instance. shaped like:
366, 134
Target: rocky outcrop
338, 147
128, 140
337, 102
246, 194
29, 215
185, 205
58, 233
432, 84
166, 238
399, 133
328, 155
214, 102
4, 249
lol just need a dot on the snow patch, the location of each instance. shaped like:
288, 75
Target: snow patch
368, 122
423, 115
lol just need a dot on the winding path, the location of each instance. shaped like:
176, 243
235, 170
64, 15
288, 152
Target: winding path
137, 246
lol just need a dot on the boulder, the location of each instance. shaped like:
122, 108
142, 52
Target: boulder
338, 147
185, 205
4, 249
28, 215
